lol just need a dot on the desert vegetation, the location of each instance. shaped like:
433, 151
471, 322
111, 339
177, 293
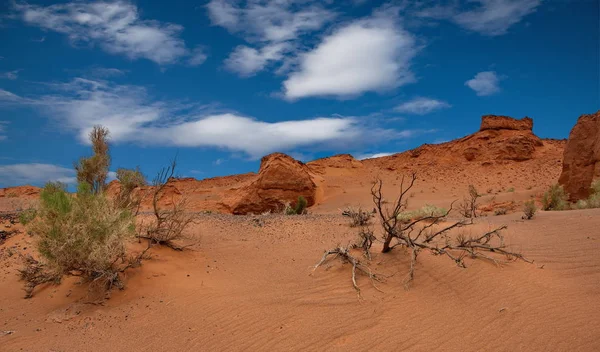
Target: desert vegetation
555, 198
427, 233
468, 206
529, 209
87, 234
298, 209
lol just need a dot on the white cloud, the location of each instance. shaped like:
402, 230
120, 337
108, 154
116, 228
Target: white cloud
487, 17
366, 55
12, 75
484, 83
372, 156
273, 27
131, 116
35, 174
268, 20
495, 17
114, 26
198, 57
422, 106
248, 61
39, 174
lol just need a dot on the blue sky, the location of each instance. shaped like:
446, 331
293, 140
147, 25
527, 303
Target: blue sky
221, 83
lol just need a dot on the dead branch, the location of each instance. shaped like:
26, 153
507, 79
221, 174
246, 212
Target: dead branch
343, 253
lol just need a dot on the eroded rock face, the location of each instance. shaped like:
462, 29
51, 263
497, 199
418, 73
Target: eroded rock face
281, 179
501, 138
495, 122
581, 162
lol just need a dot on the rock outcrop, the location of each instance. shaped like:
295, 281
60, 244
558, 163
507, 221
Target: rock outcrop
495, 122
27, 192
581, 161
281, 179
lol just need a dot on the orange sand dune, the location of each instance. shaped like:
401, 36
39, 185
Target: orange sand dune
245, 287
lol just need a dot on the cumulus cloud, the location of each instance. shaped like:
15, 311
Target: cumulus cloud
132, 116
487, 17
371, 54
35, 174
272, 27
115, 26
247, 61
484, 83
421, 106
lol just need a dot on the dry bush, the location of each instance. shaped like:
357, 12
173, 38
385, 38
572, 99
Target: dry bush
468, 207
407, 216
500, 211
130, 179
529, 209
93, 170
555, 198
83, 236
428, 233
593, 201
358, 217
168, 225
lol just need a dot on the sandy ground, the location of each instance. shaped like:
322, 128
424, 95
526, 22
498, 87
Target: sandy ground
248, 287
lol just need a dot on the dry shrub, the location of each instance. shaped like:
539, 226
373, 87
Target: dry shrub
429, 233
358, 217
427, 210
130, 179
593, 201
468, 207
83, 236
93, 170
169, 225
555, 198
529, 209
500, 211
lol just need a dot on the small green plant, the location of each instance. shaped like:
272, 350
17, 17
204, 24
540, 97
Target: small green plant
555, 198
512, 189
298, 209
529, 209
27, 215
130, 180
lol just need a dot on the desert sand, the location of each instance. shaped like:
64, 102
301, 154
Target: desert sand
247, 282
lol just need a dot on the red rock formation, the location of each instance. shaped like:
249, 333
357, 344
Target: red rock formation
495, 122
27, 192
581, 161
281, 179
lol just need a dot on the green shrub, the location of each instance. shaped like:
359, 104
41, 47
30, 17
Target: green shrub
512, 189
555, 198
130, 179
27, 216
529, 209
85, 234
298, 209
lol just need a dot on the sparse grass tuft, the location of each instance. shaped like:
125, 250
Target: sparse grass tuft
555, 198
426, 211
529, 209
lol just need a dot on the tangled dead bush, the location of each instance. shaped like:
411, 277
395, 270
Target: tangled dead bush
529, 209
468, 207
169, 225
428, 233
358, 217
